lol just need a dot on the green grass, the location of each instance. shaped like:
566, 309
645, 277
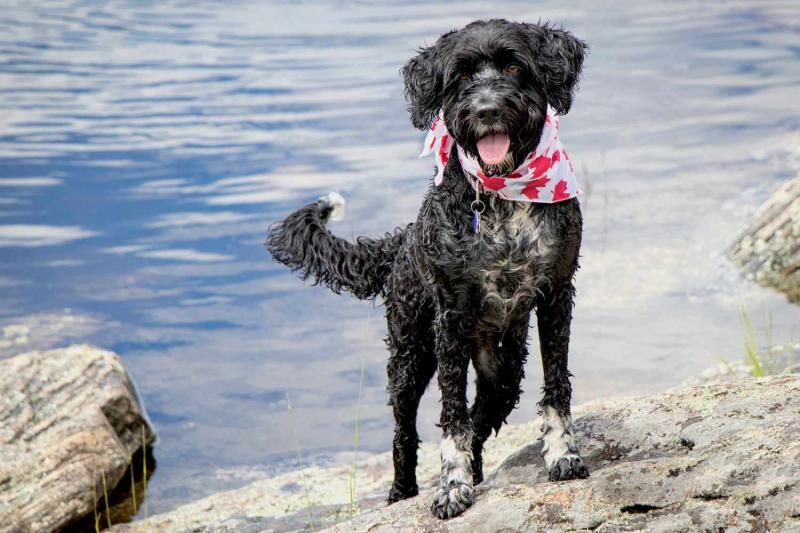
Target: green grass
96, 516
139, 502
98, 513
105, 497
760, 361
144, 472
352, 484
133, 487
751, 345
309, 507
351, 509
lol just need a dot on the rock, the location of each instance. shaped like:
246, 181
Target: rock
708, 458
777, 359
722, 457
281, 503
68, 418
768, 251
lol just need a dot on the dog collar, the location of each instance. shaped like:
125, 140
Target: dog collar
544, 176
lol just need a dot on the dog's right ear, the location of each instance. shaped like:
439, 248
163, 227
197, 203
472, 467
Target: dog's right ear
424, 80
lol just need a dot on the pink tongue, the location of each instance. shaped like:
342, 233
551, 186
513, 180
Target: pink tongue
493, 148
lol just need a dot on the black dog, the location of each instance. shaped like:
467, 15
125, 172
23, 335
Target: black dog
452, 295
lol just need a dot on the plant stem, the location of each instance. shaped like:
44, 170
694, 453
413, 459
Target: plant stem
751, 345
96, 516
133, 487
355, 443
144, 472
105, 497
300, 463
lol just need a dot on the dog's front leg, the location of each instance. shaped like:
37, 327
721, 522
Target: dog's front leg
454, 343
554, 314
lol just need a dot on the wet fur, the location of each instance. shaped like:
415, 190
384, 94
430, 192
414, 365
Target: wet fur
453, 296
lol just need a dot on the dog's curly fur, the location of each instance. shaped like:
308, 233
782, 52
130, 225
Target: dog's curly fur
453, 296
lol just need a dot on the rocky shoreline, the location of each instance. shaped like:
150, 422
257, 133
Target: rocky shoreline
721, 457
721, 453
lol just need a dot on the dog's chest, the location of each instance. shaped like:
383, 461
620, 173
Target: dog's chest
518, 250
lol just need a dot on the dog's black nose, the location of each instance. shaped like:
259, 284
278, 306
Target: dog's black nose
488, 112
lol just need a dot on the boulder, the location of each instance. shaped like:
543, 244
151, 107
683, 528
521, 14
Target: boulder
768, 250
722, 457
69, 418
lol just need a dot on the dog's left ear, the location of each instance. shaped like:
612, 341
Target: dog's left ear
559, 56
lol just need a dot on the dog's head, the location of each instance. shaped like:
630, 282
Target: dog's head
494, 80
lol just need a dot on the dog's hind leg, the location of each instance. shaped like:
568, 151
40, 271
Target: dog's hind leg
500, 368
455, 345
412, 364
554, 314
405, 397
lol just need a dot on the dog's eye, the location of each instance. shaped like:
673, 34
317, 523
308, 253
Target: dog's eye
465, 76
513, 70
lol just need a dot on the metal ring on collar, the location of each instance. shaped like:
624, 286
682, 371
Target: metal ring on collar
477, 206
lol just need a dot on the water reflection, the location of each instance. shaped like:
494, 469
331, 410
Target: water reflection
145, 147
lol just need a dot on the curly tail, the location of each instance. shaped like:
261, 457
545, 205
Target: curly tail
304, 244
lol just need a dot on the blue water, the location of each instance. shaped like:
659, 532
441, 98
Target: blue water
145, 147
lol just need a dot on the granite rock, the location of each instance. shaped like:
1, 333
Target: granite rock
68, 418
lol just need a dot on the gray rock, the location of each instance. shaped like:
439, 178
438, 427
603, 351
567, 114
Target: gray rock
708, 458
767, 250
723, 457
777, 359
68, 417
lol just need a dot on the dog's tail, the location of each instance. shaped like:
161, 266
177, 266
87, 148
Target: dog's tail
304, 244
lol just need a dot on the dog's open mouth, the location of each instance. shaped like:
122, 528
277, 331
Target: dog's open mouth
494, 153
493, 148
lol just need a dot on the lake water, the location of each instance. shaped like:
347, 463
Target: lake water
146, 146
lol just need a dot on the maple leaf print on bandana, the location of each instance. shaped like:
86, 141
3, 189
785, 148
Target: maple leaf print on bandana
544, 176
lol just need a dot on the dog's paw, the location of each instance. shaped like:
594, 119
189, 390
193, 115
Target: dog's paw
452, 500
568, 467
397, 493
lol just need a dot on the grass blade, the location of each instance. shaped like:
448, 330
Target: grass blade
355, 443
770, 370
300, 463
105, 497
96, 516
751, 345
133, 488
144, 472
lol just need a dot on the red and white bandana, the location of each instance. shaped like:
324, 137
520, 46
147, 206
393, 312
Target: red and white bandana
545, 176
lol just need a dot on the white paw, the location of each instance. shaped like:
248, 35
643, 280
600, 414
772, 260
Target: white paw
454, 494
558, 447
452, 499
336, 201
568, 467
